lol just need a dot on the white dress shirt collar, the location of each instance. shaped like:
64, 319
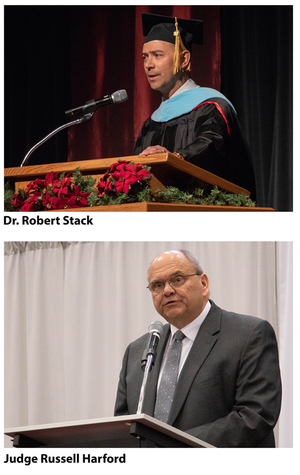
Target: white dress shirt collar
189, 84
192, 328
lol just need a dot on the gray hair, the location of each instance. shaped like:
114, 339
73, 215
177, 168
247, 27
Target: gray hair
193, 260
195, 263
190, 257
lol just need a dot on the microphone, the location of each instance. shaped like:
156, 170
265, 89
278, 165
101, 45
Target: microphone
91, 106
155, 330
148, 359
86, 112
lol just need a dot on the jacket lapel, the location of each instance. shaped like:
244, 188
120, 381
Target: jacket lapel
203, 344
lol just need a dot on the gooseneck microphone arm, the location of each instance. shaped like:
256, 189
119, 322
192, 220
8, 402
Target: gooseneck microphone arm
86, 111
73, 122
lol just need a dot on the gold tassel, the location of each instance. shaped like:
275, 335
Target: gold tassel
178, 44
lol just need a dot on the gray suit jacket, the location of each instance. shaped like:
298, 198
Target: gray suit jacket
229, 390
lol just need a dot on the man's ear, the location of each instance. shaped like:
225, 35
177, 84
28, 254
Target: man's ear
185, 59
205, 284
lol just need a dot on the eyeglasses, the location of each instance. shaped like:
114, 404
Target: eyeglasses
175, 281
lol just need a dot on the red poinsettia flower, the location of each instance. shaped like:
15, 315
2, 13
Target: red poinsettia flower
47, 200
104, 184
32, 203
124, 181
49, 178
35, 185
78, 198
28, 206
118, 165
105, 181
17, 201
121, 176
54, 202
138, 171
60, 185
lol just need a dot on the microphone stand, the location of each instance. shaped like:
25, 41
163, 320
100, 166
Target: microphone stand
145, 379
88, 112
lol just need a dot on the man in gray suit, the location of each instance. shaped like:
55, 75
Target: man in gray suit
229, 389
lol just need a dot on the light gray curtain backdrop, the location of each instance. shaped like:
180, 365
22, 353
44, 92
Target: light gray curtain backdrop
71, 309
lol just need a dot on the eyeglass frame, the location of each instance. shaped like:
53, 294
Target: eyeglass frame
168, 281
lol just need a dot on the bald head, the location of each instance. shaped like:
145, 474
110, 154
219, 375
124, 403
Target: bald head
180, 253
179, 305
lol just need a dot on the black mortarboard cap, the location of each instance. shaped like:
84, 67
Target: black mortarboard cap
159, 27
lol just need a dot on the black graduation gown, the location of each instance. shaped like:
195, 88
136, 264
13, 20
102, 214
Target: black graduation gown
210, 137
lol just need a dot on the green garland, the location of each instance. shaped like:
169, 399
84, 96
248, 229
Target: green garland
196, 196
8, 196
172, 194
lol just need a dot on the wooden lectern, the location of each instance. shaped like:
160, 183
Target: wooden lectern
166, 168
137, 430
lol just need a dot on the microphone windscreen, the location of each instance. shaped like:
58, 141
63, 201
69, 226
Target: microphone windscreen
156, 327
119, 96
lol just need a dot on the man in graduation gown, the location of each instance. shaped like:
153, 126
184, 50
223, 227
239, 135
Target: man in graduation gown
198, 124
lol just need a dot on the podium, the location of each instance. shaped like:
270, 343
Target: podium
166, 169
137, 430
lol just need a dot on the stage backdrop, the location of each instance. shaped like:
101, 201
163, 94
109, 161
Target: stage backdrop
72, 308
114, 47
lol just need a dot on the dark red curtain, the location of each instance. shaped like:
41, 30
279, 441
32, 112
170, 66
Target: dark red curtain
106, 56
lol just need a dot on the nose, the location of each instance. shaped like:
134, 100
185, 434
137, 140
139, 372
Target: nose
168, 290
148, 63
